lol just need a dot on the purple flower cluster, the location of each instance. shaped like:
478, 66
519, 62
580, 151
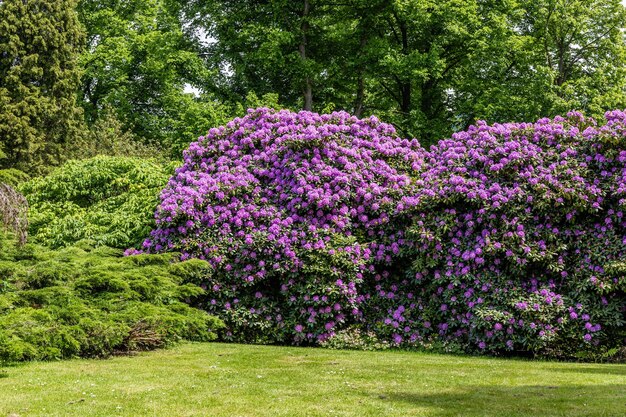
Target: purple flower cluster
503, 237
286, 208
516, 236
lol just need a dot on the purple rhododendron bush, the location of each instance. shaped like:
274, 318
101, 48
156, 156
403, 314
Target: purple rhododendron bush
291, 210
503, 238
519, 241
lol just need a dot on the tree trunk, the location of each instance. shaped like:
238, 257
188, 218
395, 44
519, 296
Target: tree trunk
360, 95
405, 87
308, 87
405, 107
360, 87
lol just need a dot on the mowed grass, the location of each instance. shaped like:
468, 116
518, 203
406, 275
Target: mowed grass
237, 380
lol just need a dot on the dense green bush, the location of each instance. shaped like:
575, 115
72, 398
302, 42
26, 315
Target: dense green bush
13, 176
93, 302
110, 200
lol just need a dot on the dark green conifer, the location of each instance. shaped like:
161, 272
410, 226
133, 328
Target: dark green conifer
39, 76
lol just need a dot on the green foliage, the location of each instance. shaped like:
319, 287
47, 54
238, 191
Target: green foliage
110, 200
139, 61
162, 72
39, 75
107, 137
13, 177
429, 67
564, 55
94, 302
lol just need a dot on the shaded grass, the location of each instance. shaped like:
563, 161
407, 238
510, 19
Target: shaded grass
238, 380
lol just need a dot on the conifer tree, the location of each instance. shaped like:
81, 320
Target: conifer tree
39, 76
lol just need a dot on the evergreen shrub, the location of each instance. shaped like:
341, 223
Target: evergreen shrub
93, 302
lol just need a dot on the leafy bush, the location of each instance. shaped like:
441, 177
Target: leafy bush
502, 238
106, 136
110, 200
13, 177
94, 302
285, 206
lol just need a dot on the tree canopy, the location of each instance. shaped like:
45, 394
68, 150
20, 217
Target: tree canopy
429, 67
165, 71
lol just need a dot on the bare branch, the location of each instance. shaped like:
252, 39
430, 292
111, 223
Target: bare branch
14, 212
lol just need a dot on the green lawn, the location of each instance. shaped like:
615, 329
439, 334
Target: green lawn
236, 380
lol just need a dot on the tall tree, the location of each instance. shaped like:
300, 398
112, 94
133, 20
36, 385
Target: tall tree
395, 58
430, 67
39, 75
580, 43
269, 46
141, 61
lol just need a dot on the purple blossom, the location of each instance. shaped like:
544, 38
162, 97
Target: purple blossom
516, 223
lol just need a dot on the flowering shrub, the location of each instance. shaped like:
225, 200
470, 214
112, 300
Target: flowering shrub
285, 207
505, 237
519, 232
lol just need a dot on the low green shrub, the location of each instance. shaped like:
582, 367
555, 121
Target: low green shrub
83, 301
